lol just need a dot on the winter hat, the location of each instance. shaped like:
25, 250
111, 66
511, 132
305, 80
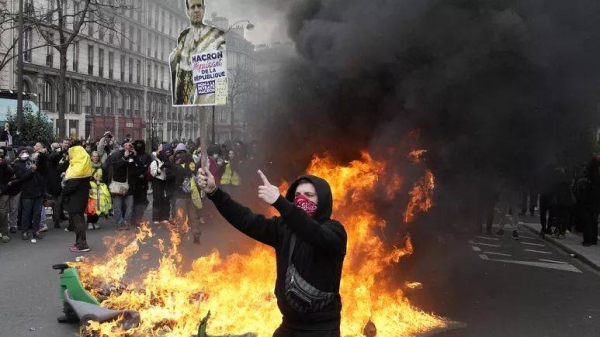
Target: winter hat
166, 147
180, 148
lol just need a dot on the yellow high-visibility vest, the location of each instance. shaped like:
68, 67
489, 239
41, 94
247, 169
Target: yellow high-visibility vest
230, 177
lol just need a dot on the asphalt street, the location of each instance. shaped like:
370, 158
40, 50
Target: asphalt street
496, 286
501, 287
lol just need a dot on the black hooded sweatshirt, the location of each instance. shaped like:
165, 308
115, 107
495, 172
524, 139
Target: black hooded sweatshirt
318, 255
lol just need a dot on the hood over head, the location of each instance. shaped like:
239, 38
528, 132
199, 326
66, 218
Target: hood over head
80, 163
139, 146
325, 202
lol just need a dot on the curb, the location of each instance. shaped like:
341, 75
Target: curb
562, 246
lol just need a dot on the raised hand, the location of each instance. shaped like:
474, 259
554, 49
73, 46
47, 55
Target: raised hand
206, 181
267, 192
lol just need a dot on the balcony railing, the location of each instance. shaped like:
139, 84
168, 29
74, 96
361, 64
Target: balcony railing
120, 111
88, 110
98, 111
108, 111
72, 108
128, 112
47, 106
136, 113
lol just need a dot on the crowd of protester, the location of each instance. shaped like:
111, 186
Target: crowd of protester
84, 181
565, 197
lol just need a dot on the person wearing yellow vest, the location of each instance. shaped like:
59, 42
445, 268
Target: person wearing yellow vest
231, 178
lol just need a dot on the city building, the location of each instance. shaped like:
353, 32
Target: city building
241, 67
118, 77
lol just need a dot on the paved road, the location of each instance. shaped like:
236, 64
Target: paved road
29, 287
502, 287
497, 286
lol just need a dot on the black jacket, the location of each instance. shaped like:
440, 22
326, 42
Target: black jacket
6, 174
123, 169
76, 194
29, 180
318, 255
54, 173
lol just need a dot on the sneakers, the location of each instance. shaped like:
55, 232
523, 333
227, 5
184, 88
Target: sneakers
500, 232
156, 223
25, 236
79, 248
90, 226
4, 238
515, 235
13, 230
96, 226
44, 229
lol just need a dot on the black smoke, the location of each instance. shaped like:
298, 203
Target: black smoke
495, 89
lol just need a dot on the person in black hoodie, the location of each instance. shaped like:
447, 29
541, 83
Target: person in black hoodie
310, 248
139, 185
31, 196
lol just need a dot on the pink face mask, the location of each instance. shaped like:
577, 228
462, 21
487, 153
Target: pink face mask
301, 201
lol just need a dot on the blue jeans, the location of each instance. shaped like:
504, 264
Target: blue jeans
118, 201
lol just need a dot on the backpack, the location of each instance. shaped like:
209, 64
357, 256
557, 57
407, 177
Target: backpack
148, 174
583, 189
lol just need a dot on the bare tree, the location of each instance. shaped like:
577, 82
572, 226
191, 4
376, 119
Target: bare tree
68, 19
9, 37
242, 83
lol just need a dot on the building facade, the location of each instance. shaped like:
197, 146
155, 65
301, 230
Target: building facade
118, 79
241, 67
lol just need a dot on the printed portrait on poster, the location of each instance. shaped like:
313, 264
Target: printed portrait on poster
199, 62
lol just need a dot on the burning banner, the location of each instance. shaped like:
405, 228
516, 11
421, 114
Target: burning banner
237, 289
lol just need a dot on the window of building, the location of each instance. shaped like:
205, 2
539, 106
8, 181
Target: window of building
111, 66
149, 74
162, 77
149, 43
122, 68
139, 40
131, 37
48, 97
139, 72
99, 102
162, 21
75, 47
130, 70
27, 43
90, 60
156, 17
149, 15
156, 46
101, 30
101, 62
139, 10
73, 99
49, 49
156, 75
170, 24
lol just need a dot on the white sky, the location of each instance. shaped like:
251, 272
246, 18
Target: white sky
269, 22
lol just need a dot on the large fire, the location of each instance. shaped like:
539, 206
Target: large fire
238, 289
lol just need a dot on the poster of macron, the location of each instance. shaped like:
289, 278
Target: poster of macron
209, 68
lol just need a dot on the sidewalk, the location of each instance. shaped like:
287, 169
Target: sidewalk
572, 244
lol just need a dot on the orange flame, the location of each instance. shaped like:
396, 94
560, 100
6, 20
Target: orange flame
238, 288
416, 156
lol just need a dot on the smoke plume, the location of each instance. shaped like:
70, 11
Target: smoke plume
494, 89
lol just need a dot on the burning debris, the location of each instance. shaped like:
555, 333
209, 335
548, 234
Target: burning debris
238, 288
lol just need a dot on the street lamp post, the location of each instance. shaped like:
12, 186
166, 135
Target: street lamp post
20, 71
